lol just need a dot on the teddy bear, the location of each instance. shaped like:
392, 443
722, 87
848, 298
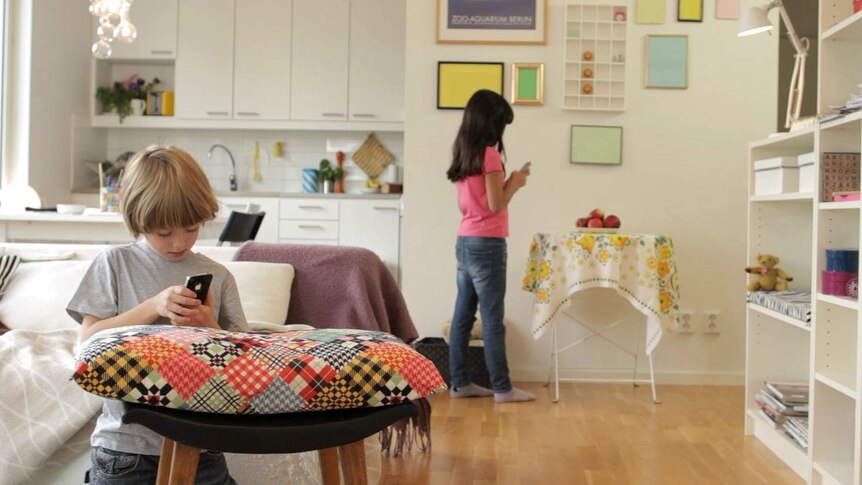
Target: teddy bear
768, 275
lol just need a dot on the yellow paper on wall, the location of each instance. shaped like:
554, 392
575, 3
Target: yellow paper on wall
458, 82
651, 11
691, 10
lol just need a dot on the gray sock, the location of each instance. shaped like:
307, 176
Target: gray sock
513, 395
470, 390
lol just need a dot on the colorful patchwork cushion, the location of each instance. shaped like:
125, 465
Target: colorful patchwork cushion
217, 371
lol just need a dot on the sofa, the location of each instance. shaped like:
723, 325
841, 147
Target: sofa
50, 436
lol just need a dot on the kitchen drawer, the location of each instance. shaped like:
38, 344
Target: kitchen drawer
308, 229
309, 209
320, 242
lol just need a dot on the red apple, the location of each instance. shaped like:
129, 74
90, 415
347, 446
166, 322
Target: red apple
595, 222
597, 214
582, 222
612, 221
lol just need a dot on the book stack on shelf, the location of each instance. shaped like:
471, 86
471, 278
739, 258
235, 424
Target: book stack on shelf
786, 406
852, 105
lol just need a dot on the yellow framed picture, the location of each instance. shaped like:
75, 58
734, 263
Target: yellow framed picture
690, 11
528, 83
492, 22
457, 81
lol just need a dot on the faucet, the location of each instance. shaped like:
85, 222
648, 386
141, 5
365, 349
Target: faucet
232, 178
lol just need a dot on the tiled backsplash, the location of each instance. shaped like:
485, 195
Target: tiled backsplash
302, 149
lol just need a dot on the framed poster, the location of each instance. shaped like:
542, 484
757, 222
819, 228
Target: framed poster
666, 61
492, 22
690, 11
602, 145
457, 81
528, 84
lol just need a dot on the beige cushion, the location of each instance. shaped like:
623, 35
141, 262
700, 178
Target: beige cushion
38, 293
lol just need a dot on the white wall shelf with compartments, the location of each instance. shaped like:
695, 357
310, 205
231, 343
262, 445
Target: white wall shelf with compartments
272, 77
595, 39
830, 358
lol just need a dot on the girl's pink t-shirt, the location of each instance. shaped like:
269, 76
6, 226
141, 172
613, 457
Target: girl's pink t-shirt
478, 219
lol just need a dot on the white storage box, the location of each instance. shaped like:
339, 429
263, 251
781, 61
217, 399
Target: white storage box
806, 171
778, 175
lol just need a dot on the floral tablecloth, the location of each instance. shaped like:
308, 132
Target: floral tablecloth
640, 267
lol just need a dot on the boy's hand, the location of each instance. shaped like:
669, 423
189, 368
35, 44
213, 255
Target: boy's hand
200, 316
175, 301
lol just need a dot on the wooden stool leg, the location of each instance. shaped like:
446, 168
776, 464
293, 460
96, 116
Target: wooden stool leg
185, 464
353, 463
165, 462
329, 466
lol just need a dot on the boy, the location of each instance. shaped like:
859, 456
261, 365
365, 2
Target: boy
166, 198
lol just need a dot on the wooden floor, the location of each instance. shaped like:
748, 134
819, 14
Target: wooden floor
596, 434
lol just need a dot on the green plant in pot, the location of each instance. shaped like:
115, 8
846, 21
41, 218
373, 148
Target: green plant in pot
119, 96
328, 174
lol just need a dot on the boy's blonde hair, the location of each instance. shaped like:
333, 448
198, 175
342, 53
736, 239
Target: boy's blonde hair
165, 188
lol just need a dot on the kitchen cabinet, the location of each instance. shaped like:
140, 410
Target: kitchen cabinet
376, 91
204, 66
262, 58
320, 60
375, 225
156, 23
268, 231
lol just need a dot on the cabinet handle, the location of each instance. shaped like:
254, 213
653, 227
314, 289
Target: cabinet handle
382, 208
217, 113
161, 52
247, 113
333, 115
310, 226
364, 115
311, 207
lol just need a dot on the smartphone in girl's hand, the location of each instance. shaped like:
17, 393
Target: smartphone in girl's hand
526, 166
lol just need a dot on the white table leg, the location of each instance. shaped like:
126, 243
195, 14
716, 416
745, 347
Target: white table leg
652, 381
556, 367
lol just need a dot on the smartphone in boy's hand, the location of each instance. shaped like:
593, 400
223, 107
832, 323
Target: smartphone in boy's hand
200, 284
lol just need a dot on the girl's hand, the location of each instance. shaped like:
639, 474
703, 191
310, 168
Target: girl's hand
518, 179
200, 316
175, 301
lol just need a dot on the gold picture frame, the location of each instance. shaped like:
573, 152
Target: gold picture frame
507, 33
528, 83
666, 61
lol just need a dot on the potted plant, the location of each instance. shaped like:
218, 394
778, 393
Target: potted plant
126, 97
328, 174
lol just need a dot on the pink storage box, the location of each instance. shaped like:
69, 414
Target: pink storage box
840, 284
845, 197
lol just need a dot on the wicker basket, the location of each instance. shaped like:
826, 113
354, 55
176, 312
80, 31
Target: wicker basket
437, 351
839, 173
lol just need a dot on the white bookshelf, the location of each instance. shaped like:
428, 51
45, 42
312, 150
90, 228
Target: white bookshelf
597, 81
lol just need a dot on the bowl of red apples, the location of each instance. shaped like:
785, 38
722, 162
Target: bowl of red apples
597, 221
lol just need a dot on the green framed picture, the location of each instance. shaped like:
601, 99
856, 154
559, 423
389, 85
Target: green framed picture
666, 61
528, 84
599, 145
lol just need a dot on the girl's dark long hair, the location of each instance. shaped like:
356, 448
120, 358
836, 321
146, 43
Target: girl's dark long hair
485, 118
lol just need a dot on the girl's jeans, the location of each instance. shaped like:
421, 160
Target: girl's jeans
482, 283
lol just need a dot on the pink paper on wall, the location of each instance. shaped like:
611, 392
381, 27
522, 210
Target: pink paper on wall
727, 9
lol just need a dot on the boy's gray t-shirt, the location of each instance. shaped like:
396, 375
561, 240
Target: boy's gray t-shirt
121, 278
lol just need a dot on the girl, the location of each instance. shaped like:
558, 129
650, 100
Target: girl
483, 194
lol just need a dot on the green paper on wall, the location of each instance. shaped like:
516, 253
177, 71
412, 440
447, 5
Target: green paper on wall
667, 61
651, 11
528, 83
601, 145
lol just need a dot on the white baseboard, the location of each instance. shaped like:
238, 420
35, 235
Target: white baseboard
540, 374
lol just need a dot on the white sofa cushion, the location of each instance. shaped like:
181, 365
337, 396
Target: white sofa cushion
38, 293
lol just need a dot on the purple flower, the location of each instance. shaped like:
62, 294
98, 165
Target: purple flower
117, 85
141, 81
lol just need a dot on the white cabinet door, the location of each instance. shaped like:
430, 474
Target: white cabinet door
204, 67
268, 231
156, 23
372, 224
320, 50
377, 60
261, 87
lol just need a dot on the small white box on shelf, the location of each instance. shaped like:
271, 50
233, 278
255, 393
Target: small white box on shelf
806, 171
777, 175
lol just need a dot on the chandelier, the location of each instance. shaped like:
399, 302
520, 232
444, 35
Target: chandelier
114, 25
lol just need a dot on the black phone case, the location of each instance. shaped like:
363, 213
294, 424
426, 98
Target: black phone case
200, 284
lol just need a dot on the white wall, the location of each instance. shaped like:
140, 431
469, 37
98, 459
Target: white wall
683, 174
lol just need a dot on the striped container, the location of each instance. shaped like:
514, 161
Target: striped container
309, 180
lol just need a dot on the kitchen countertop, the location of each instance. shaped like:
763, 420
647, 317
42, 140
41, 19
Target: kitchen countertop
303, 195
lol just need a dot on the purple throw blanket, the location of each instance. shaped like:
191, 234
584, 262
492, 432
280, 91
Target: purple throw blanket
347, 287
338, 287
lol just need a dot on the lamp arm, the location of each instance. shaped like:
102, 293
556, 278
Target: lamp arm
801, 48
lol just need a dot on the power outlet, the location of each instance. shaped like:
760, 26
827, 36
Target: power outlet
686, 322
712, 322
